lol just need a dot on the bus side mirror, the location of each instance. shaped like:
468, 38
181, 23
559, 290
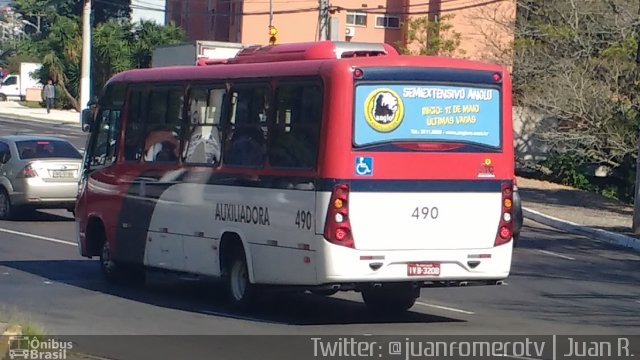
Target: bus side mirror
87, 117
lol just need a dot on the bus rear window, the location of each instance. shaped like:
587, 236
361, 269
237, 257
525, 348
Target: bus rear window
39, 149
392, 113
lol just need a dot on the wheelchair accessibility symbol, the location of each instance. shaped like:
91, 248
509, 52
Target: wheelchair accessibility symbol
364, 166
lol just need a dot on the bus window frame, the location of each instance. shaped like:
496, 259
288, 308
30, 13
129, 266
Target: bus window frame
224, 114
158, 87
301, 81
226, 124
105, 104
144, 96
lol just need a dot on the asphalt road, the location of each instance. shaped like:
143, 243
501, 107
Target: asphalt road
560, 284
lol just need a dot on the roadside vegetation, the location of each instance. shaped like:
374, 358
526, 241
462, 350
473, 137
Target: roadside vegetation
574, 66
12, 319
118, 44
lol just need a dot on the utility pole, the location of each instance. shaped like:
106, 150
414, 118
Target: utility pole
85, 84
636, 203
324, 19
270, 13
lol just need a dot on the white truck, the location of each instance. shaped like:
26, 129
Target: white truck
16, 86
190, 53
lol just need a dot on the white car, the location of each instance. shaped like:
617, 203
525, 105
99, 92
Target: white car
37, 172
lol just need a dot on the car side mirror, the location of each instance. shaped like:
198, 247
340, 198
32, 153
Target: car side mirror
4, 157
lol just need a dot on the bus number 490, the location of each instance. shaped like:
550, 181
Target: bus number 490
303, 219
425, 213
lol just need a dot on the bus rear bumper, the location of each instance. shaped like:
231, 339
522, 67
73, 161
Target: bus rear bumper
425, 268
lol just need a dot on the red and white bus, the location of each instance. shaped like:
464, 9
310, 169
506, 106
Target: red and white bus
321, 166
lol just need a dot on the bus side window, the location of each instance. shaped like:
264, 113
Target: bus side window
205, 108
133, 136
164, 125
295, 134
103, 151
246, 136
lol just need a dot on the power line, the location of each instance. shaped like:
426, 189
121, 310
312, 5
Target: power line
426, 12
377, 10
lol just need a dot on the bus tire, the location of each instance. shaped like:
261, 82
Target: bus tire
111, 269
242, 293
390, 298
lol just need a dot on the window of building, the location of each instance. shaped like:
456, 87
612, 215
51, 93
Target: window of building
388, 21
245, 143
204, 136
296, 130
356, 19
164, 125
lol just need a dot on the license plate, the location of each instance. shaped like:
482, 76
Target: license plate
62, 174
423, 269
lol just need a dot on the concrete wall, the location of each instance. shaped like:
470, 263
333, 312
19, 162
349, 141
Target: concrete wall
527, 125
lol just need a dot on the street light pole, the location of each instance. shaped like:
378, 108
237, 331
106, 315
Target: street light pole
324, 19
635, 226
85, 84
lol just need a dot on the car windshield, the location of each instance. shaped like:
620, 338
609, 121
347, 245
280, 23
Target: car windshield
38, 149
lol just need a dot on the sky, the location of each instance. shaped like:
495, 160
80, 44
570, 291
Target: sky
142, 10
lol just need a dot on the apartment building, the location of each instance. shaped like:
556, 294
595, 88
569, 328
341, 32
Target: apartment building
485, 26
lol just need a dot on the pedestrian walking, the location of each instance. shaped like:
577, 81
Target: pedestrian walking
49, 95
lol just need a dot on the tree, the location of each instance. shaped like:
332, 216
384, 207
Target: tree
47, 10
426, 37
574, 62
147, 36
117, 45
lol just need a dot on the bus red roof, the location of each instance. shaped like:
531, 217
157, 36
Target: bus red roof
308, 58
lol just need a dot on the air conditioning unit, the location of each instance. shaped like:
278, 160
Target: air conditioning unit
350, 31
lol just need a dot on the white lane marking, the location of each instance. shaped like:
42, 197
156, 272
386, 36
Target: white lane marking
551, 253
445, 308
33, 236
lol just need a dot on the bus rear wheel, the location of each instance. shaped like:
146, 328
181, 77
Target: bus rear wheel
242, 293
391, 298
111, 270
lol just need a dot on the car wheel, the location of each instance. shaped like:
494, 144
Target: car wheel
3, 97
6, 209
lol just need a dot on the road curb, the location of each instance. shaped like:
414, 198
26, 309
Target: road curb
602, 235
38, 119
7, 333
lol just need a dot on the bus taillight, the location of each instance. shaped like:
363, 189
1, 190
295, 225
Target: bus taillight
505, 227
337, 228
